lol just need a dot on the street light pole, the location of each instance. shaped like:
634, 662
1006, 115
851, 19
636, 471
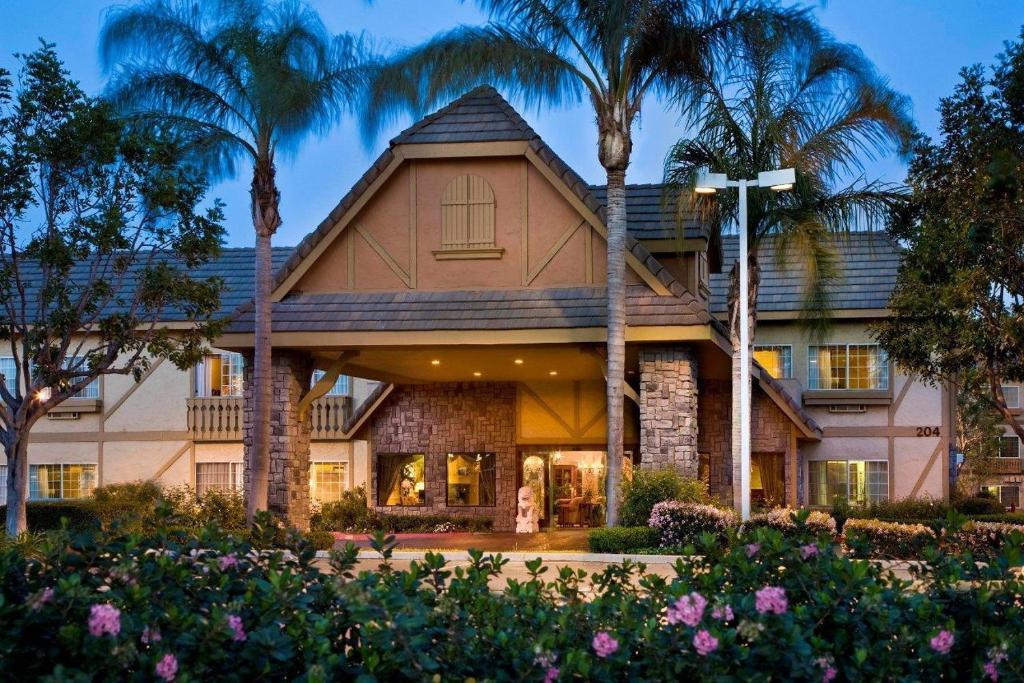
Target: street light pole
709, 183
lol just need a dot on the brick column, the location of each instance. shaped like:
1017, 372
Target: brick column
288, 495
668, 409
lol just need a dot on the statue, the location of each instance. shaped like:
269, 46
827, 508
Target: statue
526, 512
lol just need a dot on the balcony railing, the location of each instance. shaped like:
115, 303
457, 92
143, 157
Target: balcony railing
220, 418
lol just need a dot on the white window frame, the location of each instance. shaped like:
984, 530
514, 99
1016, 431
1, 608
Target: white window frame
812, 495
788, 357
232, 370
883, 367
235, 477
314, 487
342, 385
64, 466
1013, 389
997, 491
91, 391
1013, 437
10, 372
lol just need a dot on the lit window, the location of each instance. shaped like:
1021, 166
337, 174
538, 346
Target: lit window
326, 481
218, 476
55, 482
1009, 447
1012, 396
1008, 495
467, 214
341, 385
847, 366
220, 375
777, 359
400, 479
858, 482
471, 479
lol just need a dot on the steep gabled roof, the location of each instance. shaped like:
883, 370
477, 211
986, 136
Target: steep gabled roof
650, 213
481, 115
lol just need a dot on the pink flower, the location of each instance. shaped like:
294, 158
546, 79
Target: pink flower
167, 668
688, 609
604, 644
41, 598
551, 674
104, 619
991, 671
238, 631
704, 643
150, 636
829, 674
771, 599
722, 613
808, 551
753, 549
225, 562
943, 642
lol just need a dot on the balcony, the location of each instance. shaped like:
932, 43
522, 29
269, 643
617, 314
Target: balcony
219, 418
1003, 466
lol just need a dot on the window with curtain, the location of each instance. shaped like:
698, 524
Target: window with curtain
859, 482
400, 479
220, 374
327, 481
777, 359
1008, 495
1009, 447
92, 389
60, 481
218, 476
342, 385
847, 366
471, 479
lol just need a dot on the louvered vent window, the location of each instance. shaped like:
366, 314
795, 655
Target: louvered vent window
467, 214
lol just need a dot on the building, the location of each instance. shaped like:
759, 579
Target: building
462, 280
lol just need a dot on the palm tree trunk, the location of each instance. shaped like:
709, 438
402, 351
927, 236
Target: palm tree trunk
265, 199
616, 350
734, 338
17, 484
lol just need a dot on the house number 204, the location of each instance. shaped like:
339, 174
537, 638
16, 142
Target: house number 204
928, 431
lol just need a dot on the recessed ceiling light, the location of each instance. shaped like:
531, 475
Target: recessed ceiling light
435, 362
477, 374
518, 361
553, 373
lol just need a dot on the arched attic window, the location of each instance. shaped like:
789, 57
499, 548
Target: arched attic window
467, 219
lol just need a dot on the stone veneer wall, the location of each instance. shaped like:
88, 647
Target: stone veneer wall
769, 432
288, 493
668, 409
437, 419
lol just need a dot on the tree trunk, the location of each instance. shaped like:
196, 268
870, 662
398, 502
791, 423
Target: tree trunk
17, 485
265, 200
616, 225
734, 338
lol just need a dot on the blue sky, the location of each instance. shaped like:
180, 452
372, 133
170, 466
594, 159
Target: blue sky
919, 44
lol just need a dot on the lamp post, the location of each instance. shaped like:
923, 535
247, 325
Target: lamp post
709, 183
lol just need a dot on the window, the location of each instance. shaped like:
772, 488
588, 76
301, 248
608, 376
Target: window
847, 366
1009, 447
1012, 396
218, 476
9, 371
777, 359
3, 484
53, 482
857, 481
326, 481
471, 479
400, 479
341, 386
220, 375
92, 389
1008, 495
467, 214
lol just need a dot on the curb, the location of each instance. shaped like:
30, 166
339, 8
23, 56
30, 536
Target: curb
547, 556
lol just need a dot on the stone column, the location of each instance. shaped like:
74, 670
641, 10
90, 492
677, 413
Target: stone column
668, 409
288, 495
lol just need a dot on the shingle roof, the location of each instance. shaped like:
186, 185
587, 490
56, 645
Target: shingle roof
650, 213
867, 262
418, 310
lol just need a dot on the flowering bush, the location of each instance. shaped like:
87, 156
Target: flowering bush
649, 487
984, 540
681, 524
177, 607
793, 523
887, 540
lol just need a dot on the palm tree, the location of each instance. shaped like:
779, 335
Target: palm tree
818, 106
241, 80
611, 52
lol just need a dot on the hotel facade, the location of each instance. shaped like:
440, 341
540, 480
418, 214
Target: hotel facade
439, 339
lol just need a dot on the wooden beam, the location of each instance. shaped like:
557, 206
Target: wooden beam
574, 225
170, 462
131, 390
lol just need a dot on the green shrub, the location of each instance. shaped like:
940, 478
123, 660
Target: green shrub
647, 488
426, 524
132, 505
979, 505
321, 540
1006, 517
681, 524
622, 539
872, 538
46, 515
984, 540
351, 513
905, 510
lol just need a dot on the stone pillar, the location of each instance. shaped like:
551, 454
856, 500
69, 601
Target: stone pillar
668, 409
288, 495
